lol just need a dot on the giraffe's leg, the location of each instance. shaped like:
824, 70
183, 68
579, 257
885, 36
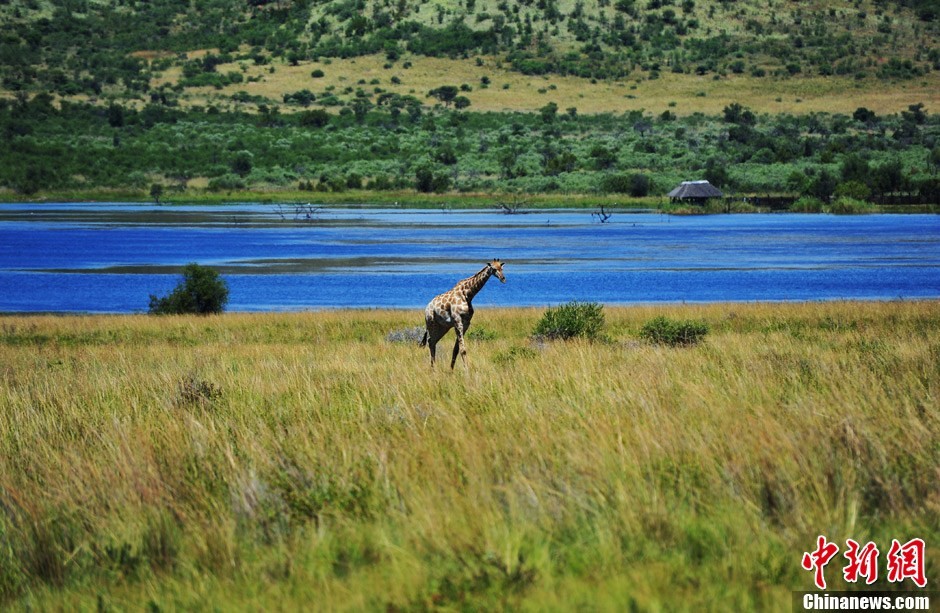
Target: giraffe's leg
460, 346
453, 359
434, 334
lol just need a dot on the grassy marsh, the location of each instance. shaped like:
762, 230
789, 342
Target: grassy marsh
251, 460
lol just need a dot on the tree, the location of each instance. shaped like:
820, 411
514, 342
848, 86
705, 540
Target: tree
823, 186
739, 114
445, 93
426, 180
201, 290
241, 164
156, 191
716, 172
316, 118
933, 158
549, 112
615, 184
863, 115
361, 107
639, 185
854, 168
461, 102
888, 177
116, 115
604, 158
915, 113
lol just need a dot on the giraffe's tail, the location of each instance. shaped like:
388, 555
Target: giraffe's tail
424, 339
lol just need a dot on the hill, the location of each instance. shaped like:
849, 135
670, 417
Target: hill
120, 49
171, 98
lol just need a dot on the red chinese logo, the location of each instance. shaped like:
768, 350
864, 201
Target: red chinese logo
863, 562
903, 561
818, 559
907, 561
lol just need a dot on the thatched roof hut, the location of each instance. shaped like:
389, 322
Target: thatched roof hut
698, 191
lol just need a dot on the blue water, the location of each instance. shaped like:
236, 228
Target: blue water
111, 257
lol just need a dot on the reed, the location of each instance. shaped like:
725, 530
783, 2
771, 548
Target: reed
254, 461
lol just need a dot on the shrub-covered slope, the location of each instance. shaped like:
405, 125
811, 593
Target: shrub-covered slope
81, 46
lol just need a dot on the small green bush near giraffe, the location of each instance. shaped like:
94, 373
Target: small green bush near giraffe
271, 461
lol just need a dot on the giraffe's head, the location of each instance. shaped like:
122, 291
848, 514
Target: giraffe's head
497, 267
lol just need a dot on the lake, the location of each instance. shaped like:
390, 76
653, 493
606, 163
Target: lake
110, 257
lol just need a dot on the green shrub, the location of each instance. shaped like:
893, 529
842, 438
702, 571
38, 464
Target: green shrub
226, 182
852, 189
850, 206
615, 184
572, 320
427, 181
354, 181
807, 204
201, 290
665, 331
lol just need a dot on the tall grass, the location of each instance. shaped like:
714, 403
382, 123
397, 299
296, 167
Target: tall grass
259, 461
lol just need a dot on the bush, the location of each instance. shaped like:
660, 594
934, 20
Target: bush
316, 118
572, 320
354, 181
855, 190
807, 204
850, 206
427, 181
201, 290
639, 185
226, 182
665, 331
615, 184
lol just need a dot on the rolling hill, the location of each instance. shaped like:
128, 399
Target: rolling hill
477, 97
124, 49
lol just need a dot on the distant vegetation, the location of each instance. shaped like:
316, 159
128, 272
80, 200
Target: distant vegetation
101, 48
157, 98
401, 145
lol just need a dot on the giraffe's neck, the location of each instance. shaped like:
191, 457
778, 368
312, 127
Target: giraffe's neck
474, 284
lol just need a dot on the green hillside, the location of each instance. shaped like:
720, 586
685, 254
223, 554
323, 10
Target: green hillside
477, 100
93, 47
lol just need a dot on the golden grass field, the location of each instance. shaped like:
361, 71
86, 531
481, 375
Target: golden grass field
302, 460
681, 94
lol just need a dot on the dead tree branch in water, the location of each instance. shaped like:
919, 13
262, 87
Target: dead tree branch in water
602, 215
299, 212
512, 205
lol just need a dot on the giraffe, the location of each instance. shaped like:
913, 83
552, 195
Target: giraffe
453, 310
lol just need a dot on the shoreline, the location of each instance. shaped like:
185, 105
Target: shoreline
361, 198
507, 203
512, 309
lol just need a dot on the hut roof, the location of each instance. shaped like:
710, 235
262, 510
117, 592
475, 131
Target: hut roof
696, 189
